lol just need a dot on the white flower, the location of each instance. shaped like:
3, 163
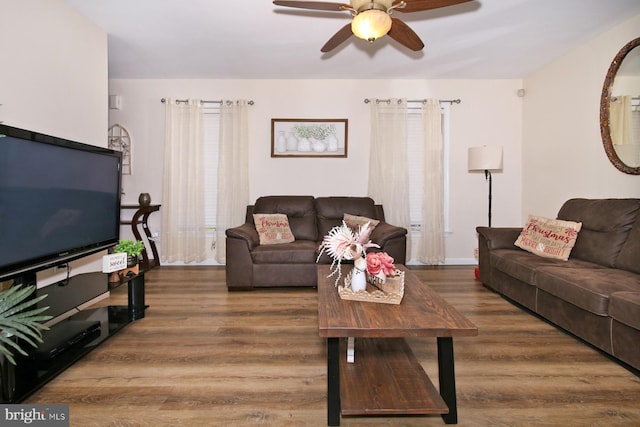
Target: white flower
341, 243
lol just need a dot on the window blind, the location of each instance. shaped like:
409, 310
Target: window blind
415, 162
211, 129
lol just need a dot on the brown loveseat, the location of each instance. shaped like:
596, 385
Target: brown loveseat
250, 264
595, 294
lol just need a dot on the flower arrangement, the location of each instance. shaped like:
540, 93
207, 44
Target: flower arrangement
342, 243
380, 265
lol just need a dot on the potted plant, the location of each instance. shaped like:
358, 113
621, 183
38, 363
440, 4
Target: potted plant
18, 326
18, 323
133, 249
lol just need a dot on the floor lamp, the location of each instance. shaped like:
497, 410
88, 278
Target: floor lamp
486, 159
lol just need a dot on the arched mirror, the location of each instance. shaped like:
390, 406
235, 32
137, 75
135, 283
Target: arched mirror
620, 109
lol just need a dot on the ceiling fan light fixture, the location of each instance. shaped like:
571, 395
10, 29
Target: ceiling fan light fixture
371, 24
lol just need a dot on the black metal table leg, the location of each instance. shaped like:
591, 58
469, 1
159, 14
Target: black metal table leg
333, 381
446, 375
136, 297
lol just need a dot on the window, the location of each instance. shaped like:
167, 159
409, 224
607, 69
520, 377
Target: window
415, 148
211, 129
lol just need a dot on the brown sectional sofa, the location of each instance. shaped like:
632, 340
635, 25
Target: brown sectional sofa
595, 295
250, 264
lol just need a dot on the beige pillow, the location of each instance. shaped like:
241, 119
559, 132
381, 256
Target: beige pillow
354, 222
550, 238
273, 228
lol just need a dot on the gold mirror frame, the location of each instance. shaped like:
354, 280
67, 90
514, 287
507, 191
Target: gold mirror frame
605, 100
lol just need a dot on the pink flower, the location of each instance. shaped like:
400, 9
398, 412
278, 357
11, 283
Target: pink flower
380, 261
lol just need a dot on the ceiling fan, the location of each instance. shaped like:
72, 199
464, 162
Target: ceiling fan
372, 19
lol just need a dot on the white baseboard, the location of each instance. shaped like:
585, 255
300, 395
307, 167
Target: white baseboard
451, 261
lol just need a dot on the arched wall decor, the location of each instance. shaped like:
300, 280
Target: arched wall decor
120, 140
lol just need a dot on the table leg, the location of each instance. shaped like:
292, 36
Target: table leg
333, 381
447, 378
136, 297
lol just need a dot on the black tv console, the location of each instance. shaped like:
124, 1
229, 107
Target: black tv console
34, 371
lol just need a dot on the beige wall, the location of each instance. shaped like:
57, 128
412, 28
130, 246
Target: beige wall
53, 77
563, 156
54, 73
490, 114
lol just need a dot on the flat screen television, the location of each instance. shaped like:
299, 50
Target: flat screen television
59, 200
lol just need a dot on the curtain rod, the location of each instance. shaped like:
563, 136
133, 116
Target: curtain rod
164, 100
446, 101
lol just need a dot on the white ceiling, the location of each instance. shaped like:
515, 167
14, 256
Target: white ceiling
253, 39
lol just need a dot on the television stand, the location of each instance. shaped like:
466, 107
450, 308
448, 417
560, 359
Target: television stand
141, 217
20, 381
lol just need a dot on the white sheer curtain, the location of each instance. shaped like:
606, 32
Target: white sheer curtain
388, 175
620, 120
430, 244
183, 235
233, 171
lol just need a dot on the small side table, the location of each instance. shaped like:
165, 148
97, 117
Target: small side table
144, 212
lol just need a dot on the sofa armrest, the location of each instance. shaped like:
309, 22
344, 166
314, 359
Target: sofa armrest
246, 232
239, 266
499, 237
384, 232
392, 240
490, 238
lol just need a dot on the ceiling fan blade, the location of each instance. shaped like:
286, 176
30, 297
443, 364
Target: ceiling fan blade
314, 5
418, 5
404, 35
338, 38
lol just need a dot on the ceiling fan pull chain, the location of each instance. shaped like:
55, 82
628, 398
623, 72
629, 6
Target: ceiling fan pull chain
400, 5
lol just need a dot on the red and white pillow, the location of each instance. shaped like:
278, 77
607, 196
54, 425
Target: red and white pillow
273, 228
549, 238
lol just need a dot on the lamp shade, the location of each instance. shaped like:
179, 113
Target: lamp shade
371, 24
485, 158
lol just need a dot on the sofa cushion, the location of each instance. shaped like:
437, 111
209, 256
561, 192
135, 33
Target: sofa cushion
629, 256
273, 229
523, 265
331, 211
299, 210
298, 252
587, 288
625, 308
606, 224
549, 238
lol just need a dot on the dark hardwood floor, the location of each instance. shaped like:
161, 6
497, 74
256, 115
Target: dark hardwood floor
206, 357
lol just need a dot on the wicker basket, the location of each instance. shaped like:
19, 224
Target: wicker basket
391, 294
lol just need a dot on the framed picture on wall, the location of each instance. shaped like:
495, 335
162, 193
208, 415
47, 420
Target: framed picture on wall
309, 137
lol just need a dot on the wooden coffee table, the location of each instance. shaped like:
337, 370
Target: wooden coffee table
386, 378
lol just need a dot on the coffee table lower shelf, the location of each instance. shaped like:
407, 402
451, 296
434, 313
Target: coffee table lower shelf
386, 379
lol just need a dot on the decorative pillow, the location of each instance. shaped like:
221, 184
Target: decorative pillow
273, 228
354, 222
549, 238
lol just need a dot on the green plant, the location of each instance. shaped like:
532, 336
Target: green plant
303, 131
129, 247
16, 322
319, 132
